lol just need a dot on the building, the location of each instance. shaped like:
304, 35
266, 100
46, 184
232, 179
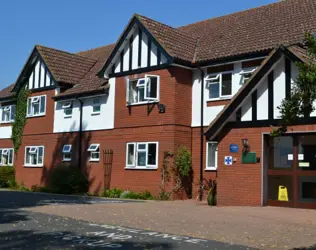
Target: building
206, 86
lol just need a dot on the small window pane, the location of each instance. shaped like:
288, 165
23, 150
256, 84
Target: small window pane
213, 90
10, 161
131, 154
40, 155
211, 154
29, 106
35, 108
132, 92
141, 94
43, 103
281, 151
152, 153
13, 112
226, 84
141, 159
95, 155
96, 109
27, 157
153, 87
141, 146
68, 112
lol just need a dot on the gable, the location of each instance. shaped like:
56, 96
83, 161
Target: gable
39, 77
135, 51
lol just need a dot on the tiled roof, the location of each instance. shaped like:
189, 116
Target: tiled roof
253, 30
6, 92
66, 67
178, 44
302, 54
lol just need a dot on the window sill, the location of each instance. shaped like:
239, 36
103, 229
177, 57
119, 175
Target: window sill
96, 113
6, 165
210, 169
141, 103
220, 99
67, 116
94, 160
34, 116
33, 166
141, 168
6, 122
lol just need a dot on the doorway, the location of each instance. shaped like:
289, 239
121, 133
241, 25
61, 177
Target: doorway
291, 170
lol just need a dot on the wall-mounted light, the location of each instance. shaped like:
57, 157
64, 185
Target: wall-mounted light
162, 108
246, 147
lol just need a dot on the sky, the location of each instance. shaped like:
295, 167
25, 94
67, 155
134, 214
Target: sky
76, 25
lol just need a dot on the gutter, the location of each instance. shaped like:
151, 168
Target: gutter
80, 134
201, 134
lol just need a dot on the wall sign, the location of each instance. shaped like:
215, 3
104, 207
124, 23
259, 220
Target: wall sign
228, 160
233, 148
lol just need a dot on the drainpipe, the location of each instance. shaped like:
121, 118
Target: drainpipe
80, 134
202, 133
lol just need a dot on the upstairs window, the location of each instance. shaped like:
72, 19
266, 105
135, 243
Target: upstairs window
211, 155
67, 152
246, 74
8, 113
6, 156
94, 150
219, 85
143, 90
142, 155
36, 106
96, 106
67, 106
34, 156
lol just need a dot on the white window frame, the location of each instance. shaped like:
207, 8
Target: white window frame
9, 109
218, 76
93, 149
207, 167
33, 100
67, 106
6, 151
145, 85
96, 104
35, 150
136, 150
245, 72
65, 152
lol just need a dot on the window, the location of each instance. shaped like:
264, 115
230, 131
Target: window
8, 113
219, 85
246, 74
34, 156
36, 106
143, 90
94, 150
6, 156
67, 106
96, 107
142, 155
211, 155
67, 152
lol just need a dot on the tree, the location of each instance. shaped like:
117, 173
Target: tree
303, 91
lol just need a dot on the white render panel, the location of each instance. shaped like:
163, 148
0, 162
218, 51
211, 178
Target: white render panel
144, 50
5, 132
278, 86
153, 54
163, 59
47, 79
246, 110
135, 52
36, 71
69, 124
262, 100
126, 59
117, 67
42, 82
31, 81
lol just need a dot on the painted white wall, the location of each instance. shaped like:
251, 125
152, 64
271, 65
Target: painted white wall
104, 120
126, 59
5, 132
262, 100
153, 55
144, 50
278, 86
246, 110
135, 52
39, 77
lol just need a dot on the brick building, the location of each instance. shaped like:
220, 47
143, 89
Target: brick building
213, 86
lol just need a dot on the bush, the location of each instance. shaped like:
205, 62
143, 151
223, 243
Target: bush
7, 176
163, 196
136, 196
68, 180
36, 188
113, 193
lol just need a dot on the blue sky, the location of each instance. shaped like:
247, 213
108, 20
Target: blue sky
76, 25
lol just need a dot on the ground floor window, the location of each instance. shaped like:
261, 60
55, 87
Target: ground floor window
211, 155
6, 156
34, 156
142, 155
67, 152
94, 150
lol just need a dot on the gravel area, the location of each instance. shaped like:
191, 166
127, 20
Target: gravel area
264, 228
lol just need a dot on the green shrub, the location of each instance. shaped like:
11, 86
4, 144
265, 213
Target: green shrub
163, 196
7, 176
113, 193
136, 196
68, 180
36, 188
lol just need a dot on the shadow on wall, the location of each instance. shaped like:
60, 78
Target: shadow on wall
73, 139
